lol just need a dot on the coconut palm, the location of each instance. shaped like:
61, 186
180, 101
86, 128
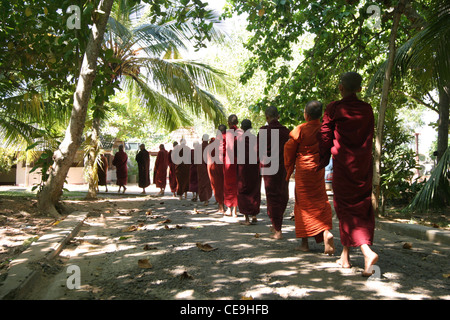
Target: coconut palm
145, 57
427, 56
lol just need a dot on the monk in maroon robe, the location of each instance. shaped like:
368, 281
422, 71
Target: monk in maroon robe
102, 172
160, 170
182, 172
193, 179
215, 171
346, 134
276, 186
172, 174
230, 167
120, 162
248, 176
143, 162
204, 184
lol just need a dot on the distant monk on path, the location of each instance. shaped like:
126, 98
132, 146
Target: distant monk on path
230, 167
172, 174
102, 172
276, 186
346, 134
248, 175
193, 179
204, 184
143, 161
120, 162
160, 170
215, 171
313, 216
182, 173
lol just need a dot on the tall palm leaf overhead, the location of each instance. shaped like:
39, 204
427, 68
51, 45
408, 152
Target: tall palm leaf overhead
148, 64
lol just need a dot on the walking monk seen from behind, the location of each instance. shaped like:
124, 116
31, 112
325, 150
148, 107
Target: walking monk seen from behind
313, 217
276, 186
346, 134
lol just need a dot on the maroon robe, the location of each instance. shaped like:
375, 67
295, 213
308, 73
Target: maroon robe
204, 184
215, 172
229, 173
248, 180
120, 162
276, 186
102, 171
346, 134
182, 173
172, 174
160, 170
193, 179
143, 161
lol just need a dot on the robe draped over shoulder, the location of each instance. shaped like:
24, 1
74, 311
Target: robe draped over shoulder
160, 171
120, 162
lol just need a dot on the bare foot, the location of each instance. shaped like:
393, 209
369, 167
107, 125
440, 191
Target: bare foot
254, 220
277, 235
329, 242
343, 264
370, 258
304, 247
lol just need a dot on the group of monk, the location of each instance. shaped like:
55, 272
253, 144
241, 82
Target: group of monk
345, 133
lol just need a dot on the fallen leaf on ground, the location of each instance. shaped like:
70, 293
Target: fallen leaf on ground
124, 238
205, 247
129, 229
257, 235
246, 298
178, 226
446, 275
148, 247
407, 245
144, 264
165, 221
149, 212
167, 227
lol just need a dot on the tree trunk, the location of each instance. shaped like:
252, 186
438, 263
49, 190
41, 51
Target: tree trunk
91, 166
65, 154
444, 99
382, 108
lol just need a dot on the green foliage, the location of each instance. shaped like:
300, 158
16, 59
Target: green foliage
7, 159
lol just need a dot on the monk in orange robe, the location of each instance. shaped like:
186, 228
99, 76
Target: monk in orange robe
313, 216
215, 170
276, 186
102, 172
172, 174
230, 167
347, 134
204, 184
160, 170
120, 162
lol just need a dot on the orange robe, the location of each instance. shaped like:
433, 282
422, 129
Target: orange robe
215, 173
204, 184
312, 209
160, 170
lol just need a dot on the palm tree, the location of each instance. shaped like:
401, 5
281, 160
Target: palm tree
427, 56
145, 58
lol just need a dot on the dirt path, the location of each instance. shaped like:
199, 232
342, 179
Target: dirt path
148, 248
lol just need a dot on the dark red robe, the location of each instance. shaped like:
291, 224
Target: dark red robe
160, 170
276, 186
172, 174
248, 178
102, 171
182, 173
346, 134
229, 171
204, 184
143, 161
193, 179
120, 162
215, 172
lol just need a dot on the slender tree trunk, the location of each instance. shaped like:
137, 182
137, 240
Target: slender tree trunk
91, 165
64, 156
444, 99
383, 106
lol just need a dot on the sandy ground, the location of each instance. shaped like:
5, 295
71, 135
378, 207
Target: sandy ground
147, 247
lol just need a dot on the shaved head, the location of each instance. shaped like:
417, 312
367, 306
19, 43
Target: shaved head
351, 81
314, 109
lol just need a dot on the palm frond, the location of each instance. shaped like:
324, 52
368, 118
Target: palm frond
436, 191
